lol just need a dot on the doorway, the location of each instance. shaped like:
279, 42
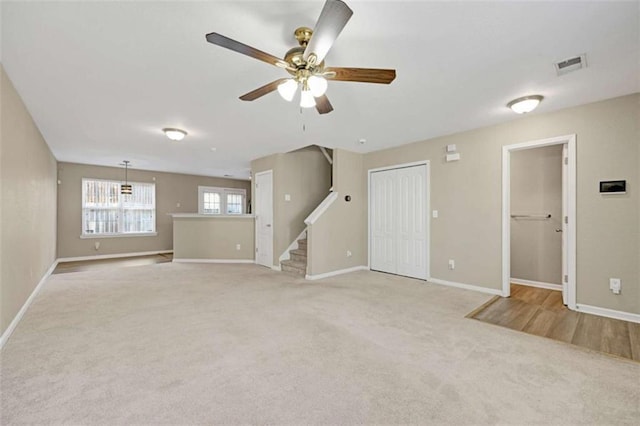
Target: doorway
546, 221
264, 218
398, 220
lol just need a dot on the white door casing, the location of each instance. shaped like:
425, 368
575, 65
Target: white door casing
398, 221
264, 218
565, 231
568, 219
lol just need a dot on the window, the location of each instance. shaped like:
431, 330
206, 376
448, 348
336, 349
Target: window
221, 200
106, 212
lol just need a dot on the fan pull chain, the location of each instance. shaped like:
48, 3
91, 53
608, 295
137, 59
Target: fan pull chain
304, 126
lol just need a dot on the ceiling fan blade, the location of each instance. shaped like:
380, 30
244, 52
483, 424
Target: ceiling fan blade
323, 105
261, 91
333, 18
236, 46
362, 75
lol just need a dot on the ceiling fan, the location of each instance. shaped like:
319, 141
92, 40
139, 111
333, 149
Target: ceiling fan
305, 63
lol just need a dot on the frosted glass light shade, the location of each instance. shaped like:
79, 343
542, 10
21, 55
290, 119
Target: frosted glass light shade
525, 104
288, 89
306, 99
174, 134
317, 85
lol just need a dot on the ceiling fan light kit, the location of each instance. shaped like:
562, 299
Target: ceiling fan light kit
525, 104
305, 62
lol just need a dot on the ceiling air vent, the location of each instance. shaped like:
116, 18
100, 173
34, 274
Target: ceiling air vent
571, 64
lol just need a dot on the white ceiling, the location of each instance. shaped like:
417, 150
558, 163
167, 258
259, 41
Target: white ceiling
102, 78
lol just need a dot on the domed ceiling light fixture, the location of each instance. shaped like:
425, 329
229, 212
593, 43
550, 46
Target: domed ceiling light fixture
525, 104
174, 134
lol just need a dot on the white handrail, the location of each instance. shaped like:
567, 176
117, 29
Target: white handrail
322, 207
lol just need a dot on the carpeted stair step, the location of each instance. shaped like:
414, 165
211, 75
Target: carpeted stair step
302, 244
298, 255
293, 266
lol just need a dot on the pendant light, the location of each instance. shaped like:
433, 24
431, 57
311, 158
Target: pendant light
125, 188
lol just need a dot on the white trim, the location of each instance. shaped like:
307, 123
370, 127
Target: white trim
463, 286
609, 313
211, 216
570, 140
427, 164
334, 273
292, 246
322, 207
326, 154
223, 199
214, 261
125, 235
277, 268
12, 326
538, 284
112, 256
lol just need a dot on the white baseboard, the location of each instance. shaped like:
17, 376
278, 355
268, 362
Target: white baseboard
334, 273
213, 261
493, 291
276, 268
609, 313
538, 284
7, 333
112, 256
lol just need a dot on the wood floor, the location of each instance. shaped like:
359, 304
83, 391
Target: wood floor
92, 265
541, 312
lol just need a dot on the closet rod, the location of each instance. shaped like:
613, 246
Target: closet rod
531, 216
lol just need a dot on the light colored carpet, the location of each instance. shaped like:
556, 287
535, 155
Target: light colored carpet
196, 344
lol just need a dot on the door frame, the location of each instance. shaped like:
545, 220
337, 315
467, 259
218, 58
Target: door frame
570, 250
427, 189
255, 210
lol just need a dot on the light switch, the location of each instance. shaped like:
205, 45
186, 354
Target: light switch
287, 197
451, 148
434, 214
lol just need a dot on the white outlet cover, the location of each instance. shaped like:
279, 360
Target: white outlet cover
453, 157
287, 197
434, 214
451, 148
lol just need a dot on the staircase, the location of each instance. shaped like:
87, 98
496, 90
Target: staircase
297, 262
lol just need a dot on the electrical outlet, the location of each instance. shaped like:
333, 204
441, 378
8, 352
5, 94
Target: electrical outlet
237, 246
615, 285
349, 254
452, 264
434, 214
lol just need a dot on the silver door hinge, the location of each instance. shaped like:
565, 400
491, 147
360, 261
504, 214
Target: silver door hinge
566, 219
566, 278
256, 249
566, 161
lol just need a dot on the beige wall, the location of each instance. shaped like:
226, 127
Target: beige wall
171, 189
467, 194
28, 210
343, 227
305, 175
536, 188
213, 238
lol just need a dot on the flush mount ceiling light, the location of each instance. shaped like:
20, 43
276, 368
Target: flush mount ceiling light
525, 104
174, 134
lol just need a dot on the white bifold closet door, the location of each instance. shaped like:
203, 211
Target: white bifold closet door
399, 221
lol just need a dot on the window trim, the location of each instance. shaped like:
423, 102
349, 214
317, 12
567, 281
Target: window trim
84, 235
223, 199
